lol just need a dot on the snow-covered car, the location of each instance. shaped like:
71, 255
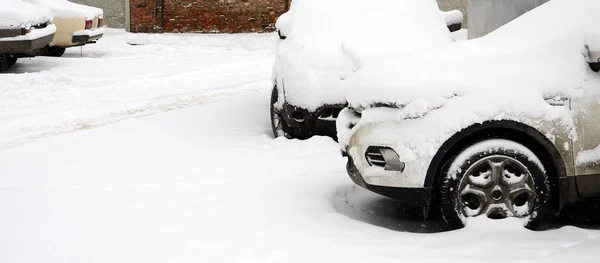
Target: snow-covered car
76, 25
324, 41
507, 125
24, 30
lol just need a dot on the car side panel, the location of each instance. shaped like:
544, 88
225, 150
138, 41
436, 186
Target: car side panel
587, 115
65, 27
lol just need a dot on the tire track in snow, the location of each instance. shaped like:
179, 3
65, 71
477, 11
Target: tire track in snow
164, 104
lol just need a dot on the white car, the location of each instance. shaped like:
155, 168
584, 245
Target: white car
76, 25
325, 41
507, 125
24, 30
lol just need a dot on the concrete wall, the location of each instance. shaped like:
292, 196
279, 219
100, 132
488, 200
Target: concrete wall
489, 15
462, 5
114, 11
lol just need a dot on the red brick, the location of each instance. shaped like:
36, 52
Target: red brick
225, 16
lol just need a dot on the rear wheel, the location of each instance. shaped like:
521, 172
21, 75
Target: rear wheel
276, 119
12, 61
3, 62
497, 179
51, 51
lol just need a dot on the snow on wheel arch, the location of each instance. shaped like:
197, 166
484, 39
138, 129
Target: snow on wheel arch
492, 146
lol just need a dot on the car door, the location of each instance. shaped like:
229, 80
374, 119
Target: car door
586, 148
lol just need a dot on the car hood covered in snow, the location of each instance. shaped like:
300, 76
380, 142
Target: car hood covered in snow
515, 69
18, 14
66, 9
325, 43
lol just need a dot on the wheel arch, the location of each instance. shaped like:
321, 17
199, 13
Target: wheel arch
504, 129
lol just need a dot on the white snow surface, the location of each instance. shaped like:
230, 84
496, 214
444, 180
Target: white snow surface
507, 74
207, 183
19, 14
33, 34
67, 9
592, 39
588, 157
325, 43
113, 80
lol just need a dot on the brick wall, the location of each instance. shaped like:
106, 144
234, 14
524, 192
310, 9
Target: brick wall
219, 16
146, 16
214, 16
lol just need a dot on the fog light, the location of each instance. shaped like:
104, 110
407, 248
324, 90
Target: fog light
384, 157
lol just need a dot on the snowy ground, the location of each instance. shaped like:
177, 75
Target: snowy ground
206, 183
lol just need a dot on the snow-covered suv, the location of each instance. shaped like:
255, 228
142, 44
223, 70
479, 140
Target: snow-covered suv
507, 125
324, 41
24, 30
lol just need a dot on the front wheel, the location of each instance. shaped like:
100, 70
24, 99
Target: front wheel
497, 179
276, 119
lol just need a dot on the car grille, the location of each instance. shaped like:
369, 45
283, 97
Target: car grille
329, 113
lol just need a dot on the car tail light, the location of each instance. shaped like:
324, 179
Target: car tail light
25, 31
88, 24
99, 22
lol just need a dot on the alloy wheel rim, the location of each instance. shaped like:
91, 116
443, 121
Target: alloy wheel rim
498, 187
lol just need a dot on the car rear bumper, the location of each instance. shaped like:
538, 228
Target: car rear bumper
83, 37
27, 45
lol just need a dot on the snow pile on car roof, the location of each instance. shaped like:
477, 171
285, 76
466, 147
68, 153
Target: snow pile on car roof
16, 14
66, 9
328, 39
513, 70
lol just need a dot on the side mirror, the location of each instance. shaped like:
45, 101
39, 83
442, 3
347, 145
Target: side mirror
281, 36
592, 43
282, 25
454, 20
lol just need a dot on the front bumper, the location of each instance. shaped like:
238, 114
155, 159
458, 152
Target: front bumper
410, 196
303, 124
410, 142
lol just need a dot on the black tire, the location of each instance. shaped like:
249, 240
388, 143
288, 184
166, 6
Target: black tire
3, 62
276, 119
12, 61
462, 176
50, 51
